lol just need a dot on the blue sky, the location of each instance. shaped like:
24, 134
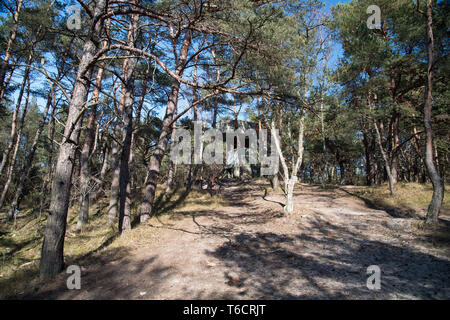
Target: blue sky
336, 52
334, 2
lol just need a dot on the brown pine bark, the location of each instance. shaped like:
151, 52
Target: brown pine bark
156, 159
11, 39
52, 254
84, 167
193, 168
137, 123
436, 180
128, 92
172, 167
29, 161
51, 128
87, 149
12, 162
369, 147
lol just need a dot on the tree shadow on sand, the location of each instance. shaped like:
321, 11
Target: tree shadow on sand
300, 266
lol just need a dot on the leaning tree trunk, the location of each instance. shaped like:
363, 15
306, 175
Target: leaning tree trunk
12, 163
52, 254
115, 170
290, 179
86, 150
12, 37
436, 180
290, 185
275, 182
395, 143
13, 131
50, 137
137, 123
84, 170
124, 181
26, 169
386, 159
116, 154
156, 159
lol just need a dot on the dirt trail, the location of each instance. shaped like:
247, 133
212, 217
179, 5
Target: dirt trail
252, 250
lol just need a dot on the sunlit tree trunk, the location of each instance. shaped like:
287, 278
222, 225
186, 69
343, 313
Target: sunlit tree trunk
18, 138
88, 148
11, 39
29, 161
13, 131
436, 180
124, 181
156, 159
52, 254
290, 179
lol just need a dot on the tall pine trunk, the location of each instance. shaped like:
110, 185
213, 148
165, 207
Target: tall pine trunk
436, 180
52, 254
127, 100
15, 114
86, 150
11, 39
156, 159
18, 139
29, 161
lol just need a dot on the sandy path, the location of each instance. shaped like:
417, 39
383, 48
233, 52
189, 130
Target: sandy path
252, 250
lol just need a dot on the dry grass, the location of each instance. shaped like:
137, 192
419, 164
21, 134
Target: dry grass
414, 197
20, 242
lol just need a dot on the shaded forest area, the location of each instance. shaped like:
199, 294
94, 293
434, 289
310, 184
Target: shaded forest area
92, 94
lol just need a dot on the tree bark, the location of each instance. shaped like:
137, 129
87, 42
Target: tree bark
124, 180
12, 136
26, 169
50, 136
436, 180
156, 159
386, 159
172, 167
394, 144
290, 179
52, 254
84, 156
12, 38
87, 149
18, 137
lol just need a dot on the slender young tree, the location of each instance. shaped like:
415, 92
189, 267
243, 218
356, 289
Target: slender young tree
88, 147
436, 180
128, 93
7, 56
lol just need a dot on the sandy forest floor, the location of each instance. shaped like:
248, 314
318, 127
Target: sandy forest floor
250, 249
